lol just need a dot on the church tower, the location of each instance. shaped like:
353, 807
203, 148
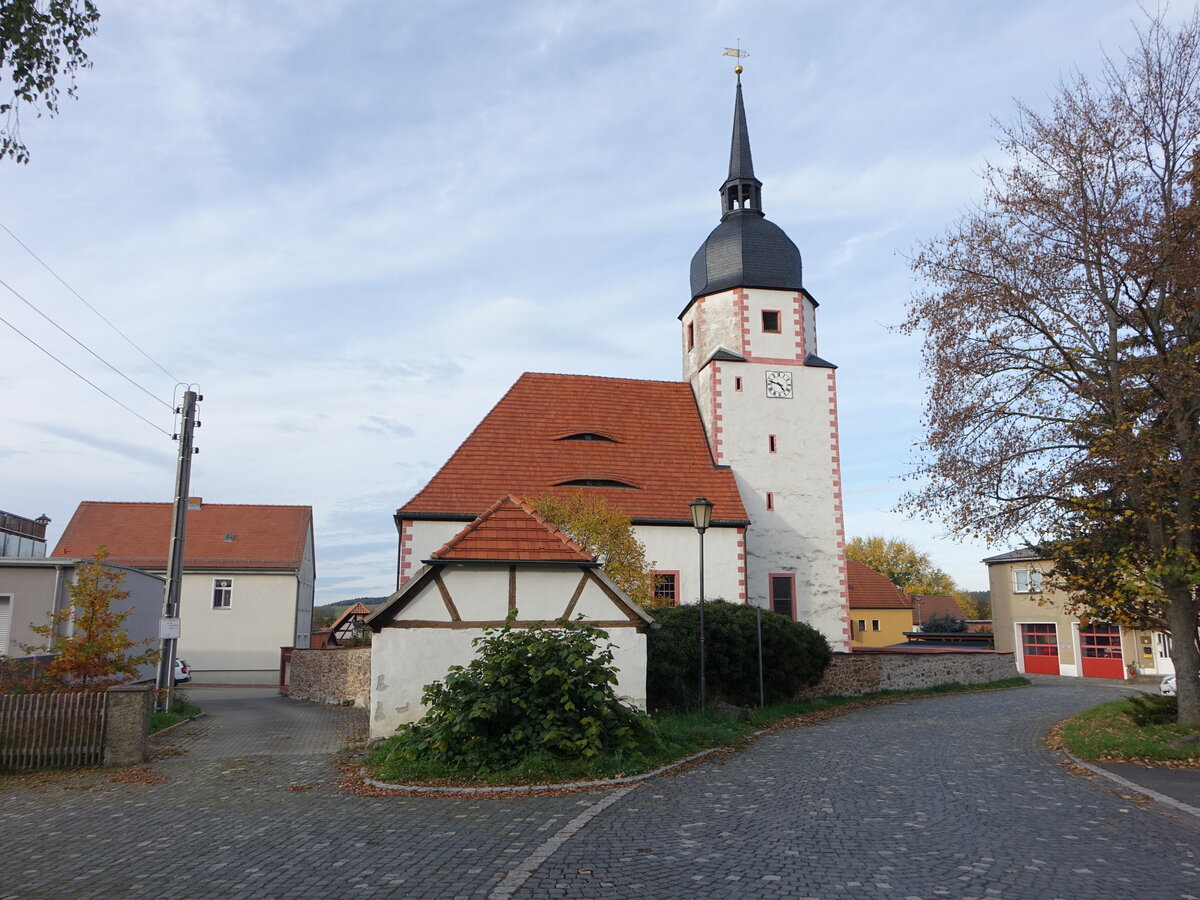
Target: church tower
769, 402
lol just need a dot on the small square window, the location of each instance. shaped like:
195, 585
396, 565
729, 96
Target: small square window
222, 593
770, 321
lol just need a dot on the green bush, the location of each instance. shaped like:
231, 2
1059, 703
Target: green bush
795, 655
1152, 709
544, 690
944, 623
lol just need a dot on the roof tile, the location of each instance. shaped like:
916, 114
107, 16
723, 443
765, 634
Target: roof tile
510, 530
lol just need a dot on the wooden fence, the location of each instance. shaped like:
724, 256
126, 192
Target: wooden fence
54, 729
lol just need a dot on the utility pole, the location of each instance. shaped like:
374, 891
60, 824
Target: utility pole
169, 626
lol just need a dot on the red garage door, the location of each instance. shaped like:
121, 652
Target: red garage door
1039, 648
1100, 650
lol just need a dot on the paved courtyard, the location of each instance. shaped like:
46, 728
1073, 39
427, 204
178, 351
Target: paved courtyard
944, 797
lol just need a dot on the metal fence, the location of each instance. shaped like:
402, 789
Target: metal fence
49, 730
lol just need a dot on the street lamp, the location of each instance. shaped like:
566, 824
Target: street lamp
701, 517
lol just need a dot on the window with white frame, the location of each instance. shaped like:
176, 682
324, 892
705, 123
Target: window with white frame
1027, 581
222, 593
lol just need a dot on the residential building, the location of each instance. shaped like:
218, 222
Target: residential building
248, 577
880, 613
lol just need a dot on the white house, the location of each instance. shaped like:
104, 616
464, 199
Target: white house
248, 577
509, 558
752, 427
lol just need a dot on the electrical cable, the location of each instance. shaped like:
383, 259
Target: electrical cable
17, 294
45, 266
73, 372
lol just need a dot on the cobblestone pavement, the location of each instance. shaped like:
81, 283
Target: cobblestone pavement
945, 797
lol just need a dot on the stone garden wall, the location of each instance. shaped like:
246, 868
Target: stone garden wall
867, 672
334, 675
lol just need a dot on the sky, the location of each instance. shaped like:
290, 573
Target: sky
352, 225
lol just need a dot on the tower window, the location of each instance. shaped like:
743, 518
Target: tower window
770, 321
691, 336
737, 382
770, 501
783, 595
771, 443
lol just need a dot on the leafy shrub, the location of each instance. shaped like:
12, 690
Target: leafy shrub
1152, 709
544, 690
794, 655
944, 623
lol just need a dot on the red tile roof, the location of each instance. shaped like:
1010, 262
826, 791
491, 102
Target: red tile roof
871, 590
139, 534
511, 531
653, 440
942, 604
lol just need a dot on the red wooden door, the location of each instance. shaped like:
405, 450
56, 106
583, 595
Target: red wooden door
1039, 648
1100, 651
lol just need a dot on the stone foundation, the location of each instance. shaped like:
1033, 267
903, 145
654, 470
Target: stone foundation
868, 672
334, 675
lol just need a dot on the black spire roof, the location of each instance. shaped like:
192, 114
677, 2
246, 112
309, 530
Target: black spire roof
745, 250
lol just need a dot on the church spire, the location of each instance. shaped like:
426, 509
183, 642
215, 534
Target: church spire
741, 192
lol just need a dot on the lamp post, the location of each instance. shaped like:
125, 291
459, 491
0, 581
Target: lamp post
701, 517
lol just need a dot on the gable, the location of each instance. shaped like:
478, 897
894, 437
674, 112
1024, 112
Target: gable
652, 461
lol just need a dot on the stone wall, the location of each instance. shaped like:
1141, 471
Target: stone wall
334, 675
867, 672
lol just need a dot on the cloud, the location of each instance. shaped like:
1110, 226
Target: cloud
386, 427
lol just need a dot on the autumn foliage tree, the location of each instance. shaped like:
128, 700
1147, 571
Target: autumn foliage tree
906, 567
41, 42
92, 649
1062, 341
590, 521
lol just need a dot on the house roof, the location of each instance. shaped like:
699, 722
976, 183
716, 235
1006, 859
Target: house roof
869, 589
937, 604
1020, 555
639, 443
139, 534
511, 531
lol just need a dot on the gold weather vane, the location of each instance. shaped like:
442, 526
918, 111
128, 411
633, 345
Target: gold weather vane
737, 52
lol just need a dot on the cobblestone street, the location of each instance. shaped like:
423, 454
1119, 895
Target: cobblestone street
945, 797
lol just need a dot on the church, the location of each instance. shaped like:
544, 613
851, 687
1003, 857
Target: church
752, 427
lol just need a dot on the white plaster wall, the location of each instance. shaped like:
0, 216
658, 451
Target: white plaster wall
428, 536
717, 324
246, 636
677, 548
781, 345
404, 660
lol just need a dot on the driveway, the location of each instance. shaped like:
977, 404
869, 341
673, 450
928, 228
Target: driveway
944, 797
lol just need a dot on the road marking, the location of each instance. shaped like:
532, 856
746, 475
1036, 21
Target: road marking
518, 876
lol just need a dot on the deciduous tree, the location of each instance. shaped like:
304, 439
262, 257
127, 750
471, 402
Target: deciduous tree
906, 567
41, 42
590, 521
1062, 342
91, 647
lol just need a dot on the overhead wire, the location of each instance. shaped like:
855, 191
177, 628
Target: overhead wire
83, 378
61, 281
18, 295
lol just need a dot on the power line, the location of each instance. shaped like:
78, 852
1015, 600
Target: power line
128, 340
73, 372
17, 294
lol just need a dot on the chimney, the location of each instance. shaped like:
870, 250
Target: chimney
195, 502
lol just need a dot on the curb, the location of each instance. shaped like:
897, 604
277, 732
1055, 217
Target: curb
1132, 786
180, 724
531, 788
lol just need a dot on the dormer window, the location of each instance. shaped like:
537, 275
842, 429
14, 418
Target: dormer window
230, 536
596, 483
587, 436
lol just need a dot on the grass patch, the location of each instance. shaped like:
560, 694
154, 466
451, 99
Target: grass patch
1108, 732
181, 709
683, 735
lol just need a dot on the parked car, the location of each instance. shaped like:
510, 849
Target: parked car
183, 672
1167, 688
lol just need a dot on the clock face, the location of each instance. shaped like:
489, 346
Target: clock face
779, 384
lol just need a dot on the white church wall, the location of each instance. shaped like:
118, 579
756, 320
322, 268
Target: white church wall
676, 548
419, 539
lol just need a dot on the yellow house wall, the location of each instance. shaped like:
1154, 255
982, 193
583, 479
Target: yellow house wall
892, 625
